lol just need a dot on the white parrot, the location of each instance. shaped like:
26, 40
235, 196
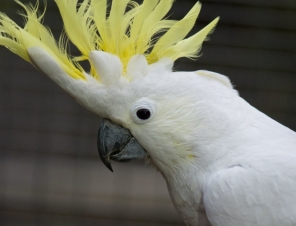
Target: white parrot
224, 162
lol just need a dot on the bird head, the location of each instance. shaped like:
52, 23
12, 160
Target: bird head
148, 109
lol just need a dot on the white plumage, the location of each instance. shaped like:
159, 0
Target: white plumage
225, 163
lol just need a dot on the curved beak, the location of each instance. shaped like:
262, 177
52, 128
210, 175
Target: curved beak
117, 143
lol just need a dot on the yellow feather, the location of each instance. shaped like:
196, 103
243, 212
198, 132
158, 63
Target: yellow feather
137, 23
117, 29
9, 37
152, 25
78, 25
189, 47
18, 39
177, 32
99, 17
128, 29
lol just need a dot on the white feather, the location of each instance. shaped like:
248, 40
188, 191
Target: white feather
108, 66
137, 67
225, 163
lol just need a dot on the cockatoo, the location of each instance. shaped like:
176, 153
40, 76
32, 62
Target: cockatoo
224, 162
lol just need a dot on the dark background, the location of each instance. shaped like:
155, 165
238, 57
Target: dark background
50, 172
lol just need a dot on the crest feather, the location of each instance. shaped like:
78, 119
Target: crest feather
191, 46
19, 40
78, 24
129, 29
126, 33
177, 32
108, 66
137, 67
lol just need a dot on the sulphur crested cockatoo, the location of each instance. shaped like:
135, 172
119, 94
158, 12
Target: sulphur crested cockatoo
224, 162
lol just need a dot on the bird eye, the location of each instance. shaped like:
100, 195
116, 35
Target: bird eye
142, 111
143, 114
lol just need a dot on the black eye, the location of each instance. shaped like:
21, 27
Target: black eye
143, 114
142, 111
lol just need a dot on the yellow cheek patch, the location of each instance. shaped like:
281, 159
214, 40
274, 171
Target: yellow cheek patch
191, 156
176, 144
184, 152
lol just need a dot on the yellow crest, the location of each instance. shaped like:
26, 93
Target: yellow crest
128, 29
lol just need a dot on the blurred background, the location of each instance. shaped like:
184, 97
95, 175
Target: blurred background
50, 171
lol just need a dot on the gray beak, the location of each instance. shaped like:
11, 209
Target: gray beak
117, 143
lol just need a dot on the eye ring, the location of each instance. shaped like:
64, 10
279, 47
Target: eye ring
142, 111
